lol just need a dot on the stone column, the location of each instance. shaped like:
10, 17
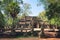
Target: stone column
37, 25
21, 28
48, 26
39, 34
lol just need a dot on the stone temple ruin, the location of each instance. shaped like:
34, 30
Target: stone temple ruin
31, 24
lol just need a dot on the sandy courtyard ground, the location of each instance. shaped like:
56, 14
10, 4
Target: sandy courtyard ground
29, 38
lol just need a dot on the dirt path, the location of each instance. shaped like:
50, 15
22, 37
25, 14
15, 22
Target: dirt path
29, 38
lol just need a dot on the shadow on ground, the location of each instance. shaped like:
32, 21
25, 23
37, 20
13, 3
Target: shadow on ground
15, 35
23, 35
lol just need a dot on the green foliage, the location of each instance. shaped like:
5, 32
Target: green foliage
9, 7
9, 22
42, 15
26, 10
48, 2
2, 21
13, 9
52, 10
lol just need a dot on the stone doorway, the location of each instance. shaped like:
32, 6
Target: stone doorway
35, 25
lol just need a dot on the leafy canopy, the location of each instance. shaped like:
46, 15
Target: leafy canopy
52, 10
13, 9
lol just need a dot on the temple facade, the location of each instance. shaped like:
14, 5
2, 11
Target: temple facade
30, 22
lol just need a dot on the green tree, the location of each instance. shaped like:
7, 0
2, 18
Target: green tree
3, 4
42, 15
7, 13
2, 21
52, 8
13, 8
26, 10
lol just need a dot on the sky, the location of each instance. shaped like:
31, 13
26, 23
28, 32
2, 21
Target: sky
34, 8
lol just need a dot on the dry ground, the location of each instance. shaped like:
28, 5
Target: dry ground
29, 38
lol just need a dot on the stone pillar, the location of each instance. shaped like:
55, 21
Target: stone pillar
21, 28
56, 26
48, 26
39, 34
37, 25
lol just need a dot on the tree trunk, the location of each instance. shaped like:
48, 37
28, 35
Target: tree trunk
42, 31
13, 26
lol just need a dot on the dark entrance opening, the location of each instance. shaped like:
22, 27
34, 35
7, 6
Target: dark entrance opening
35, 25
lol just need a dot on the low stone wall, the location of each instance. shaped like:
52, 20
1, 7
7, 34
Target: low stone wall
50, 34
